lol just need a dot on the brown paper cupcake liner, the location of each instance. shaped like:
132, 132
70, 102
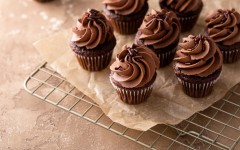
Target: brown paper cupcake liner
230, 53
133, 96
166, 57
196, 90
95, 59
230, 56
187, 23
126, 27
199, 89
188, 20
127, 24
94, 63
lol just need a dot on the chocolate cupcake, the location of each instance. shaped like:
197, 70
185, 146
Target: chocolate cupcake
93, 41
126, 16
187, 11
133, 73
198, 65
223, 26
160, 32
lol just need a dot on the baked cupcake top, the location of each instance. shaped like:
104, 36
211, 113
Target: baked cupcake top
223, 26
92, 30
159, 29
134, 67
198, 56
182, 6
124, 7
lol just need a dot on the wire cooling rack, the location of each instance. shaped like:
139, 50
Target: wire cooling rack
218, 127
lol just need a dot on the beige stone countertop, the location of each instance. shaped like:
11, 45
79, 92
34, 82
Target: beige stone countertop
25, 121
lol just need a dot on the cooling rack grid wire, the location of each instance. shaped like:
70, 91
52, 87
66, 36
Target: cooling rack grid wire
217, 127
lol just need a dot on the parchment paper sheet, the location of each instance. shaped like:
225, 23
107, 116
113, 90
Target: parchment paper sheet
167, 103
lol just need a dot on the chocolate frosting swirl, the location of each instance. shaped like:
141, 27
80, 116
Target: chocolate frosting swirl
223, 26
135, 66
124, 7
160, 29
92, 30
183, 6
198, 56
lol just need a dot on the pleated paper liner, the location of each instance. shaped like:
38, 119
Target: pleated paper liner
230, 54
94, 63
134, 96
188, 20
199, 88
126, 27
128, 24
165, 54
94, 59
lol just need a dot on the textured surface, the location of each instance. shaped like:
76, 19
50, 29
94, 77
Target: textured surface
25, 121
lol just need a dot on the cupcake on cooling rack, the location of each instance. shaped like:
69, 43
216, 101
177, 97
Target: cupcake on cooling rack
93, 41
160, 32
223, 26
198, 64
133, 73
187, 11
125, 15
